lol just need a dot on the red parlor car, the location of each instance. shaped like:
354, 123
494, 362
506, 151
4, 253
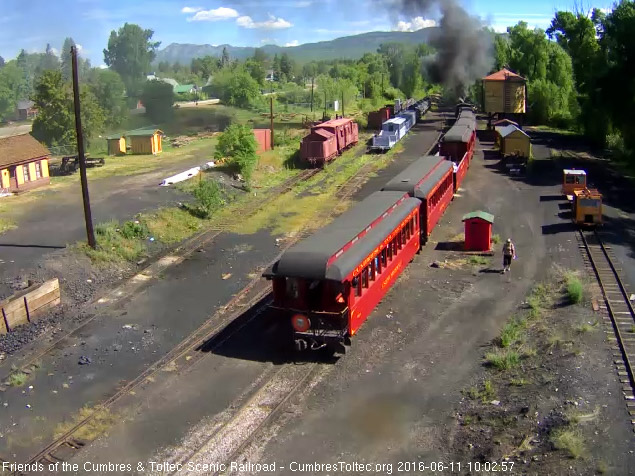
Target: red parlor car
430, 179
326, 286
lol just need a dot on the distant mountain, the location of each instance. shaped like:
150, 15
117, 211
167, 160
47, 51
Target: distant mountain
348, 47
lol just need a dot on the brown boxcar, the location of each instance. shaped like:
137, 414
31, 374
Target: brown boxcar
263, 139
313, 150
377, 118
318, 147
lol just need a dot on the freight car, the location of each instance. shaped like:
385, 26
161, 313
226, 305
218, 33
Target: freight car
587, 207
392, 131
328, 284
328, 140
430, 179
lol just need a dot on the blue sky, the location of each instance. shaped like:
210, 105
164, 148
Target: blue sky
30, 24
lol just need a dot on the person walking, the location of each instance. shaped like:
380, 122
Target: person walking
509, 253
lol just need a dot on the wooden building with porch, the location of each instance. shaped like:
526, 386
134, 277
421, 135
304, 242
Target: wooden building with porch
505, 96
145, 141
24, 163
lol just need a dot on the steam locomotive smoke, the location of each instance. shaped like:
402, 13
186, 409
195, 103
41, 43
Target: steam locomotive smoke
464, 48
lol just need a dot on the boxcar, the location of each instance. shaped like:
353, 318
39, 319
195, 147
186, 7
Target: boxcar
377, 118
345, 131
430, 179
326, 286
318, 147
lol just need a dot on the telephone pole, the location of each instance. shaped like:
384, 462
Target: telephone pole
312, 79
342, 103
90, 233
271, 118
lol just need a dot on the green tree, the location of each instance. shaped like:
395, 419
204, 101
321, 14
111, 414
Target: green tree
256, 71
501, 52
224, 60
235, 87
11, 88
205, 66
55, 123
109, 90
164, 66
619, 81
260, 56
394, 54
238, 143
130, 53
1, 62
277, 73
158, 99
286, 67
412, 80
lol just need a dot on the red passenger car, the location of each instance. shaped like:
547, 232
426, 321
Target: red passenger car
328, 284
458, 146
346, 134
430, 179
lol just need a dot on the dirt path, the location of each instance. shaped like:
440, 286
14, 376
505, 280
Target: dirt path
57, 219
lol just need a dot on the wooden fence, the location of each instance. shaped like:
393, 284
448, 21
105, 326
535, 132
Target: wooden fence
26, 306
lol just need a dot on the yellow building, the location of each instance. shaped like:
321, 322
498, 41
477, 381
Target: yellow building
514, 141
116, 144
24, 163
145, 141
504, 93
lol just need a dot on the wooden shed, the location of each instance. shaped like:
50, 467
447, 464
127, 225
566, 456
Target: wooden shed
478, 231
145, 141
116, 144
263, 139
514, 141
504, 92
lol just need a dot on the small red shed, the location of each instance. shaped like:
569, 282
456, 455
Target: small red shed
478, 231
263, 139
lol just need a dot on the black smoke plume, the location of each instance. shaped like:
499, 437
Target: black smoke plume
464, 50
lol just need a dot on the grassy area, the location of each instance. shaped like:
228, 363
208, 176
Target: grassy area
569, 441
102, 420
503, 359
6, 224
550, 129
574, 288
17, 379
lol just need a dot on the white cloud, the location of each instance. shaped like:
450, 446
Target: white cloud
303, 4
220, 13
273, 23
102, 66
417, 23
191, 9
56, 52
267, 41
292, 43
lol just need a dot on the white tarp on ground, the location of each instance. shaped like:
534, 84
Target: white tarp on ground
186, 175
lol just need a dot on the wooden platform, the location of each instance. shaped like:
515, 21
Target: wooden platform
25, 306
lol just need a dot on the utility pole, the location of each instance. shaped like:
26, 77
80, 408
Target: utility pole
312, 94
271, 117
342, 103
324, 117
382, 84
80, 151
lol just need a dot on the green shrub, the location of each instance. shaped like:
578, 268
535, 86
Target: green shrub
239, 145
503, 359
131, 230
569, 441
208, 197
574, 290
512, 332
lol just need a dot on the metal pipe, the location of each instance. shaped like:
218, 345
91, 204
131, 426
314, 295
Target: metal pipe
80, 152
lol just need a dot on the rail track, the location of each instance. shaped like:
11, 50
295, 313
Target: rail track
216, 330
619, 309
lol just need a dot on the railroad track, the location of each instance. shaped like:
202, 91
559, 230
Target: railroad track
187, 353
220, 327
187, 248
620, 312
